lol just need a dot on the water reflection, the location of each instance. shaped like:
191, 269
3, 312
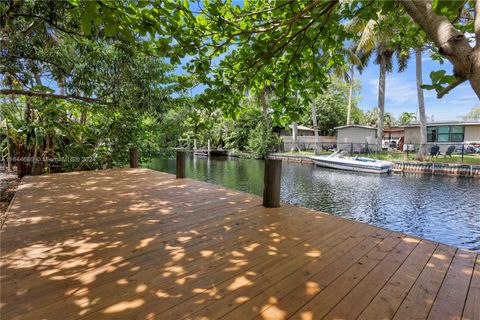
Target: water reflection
445, 209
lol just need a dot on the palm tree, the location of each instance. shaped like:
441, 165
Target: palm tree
407, 117
422, 151
375, 37
354, 60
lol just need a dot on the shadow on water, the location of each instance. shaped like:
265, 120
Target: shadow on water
441, 208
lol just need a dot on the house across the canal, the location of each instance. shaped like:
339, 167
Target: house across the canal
356, 138
305, 139
445, 133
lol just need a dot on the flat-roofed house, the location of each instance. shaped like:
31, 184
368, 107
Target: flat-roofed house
356, 138
445, 133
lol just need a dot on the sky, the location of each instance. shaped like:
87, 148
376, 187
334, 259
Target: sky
401, 92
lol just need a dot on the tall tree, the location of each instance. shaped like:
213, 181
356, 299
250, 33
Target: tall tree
422, 151
376, 37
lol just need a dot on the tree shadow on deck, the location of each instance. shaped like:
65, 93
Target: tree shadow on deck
138, 244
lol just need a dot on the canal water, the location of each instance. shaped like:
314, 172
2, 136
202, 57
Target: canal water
441, 208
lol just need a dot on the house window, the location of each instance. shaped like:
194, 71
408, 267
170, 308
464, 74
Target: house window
457, 133
445, 134
431, 134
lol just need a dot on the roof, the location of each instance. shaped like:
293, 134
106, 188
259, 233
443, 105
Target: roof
393, 129
303, 128
439, 123
354, 126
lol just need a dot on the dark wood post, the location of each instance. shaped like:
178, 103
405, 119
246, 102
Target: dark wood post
271, 184
180, 164
133, 158
21, 163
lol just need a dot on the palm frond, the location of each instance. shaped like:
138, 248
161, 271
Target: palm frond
367, 39
402, 59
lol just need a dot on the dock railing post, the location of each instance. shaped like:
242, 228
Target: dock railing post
272, 181
180, 165
133, 158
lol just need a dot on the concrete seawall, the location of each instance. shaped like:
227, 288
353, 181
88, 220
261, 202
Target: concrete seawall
406, 166
437, 168
289, 158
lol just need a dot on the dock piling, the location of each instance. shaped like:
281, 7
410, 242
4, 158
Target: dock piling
272, 181
180, 165
133, 158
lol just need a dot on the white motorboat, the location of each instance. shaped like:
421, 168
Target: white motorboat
339, 161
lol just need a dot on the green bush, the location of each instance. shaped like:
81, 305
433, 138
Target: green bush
262, 141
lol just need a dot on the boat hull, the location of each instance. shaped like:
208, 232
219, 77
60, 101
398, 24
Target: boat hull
352, 165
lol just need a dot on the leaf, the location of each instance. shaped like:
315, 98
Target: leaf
446, 7
437, 75
111, 28
86, 24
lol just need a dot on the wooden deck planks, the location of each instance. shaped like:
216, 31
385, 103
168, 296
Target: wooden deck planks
139, 244
451, 297
472, 305
387, 300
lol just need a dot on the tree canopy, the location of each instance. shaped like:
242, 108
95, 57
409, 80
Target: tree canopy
106, 73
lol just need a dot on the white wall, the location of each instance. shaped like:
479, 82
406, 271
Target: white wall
356, 135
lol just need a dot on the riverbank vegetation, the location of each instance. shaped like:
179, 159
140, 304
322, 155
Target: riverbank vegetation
82, 82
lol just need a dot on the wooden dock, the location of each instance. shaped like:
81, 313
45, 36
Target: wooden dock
139, 244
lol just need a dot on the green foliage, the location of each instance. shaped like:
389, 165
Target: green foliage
262, 141
331, 107
474, 114
371, 117
407, 117
241, 128
439, 79
106, 63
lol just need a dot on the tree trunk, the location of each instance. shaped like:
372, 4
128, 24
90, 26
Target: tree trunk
9, 148
314, 122
36, 164
83, 121
350, 95
422, 151
451, 43
46, 153
264, 102
294, 136
381, 98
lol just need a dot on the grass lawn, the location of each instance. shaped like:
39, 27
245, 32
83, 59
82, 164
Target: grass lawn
401, 156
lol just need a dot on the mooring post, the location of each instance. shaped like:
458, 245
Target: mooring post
271, 184
21, 164
133, 158
180, 164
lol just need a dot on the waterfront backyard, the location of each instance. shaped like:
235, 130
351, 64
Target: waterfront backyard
143, 173
140, 244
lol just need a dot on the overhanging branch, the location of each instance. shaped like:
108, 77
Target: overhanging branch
47, 95
450, 87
